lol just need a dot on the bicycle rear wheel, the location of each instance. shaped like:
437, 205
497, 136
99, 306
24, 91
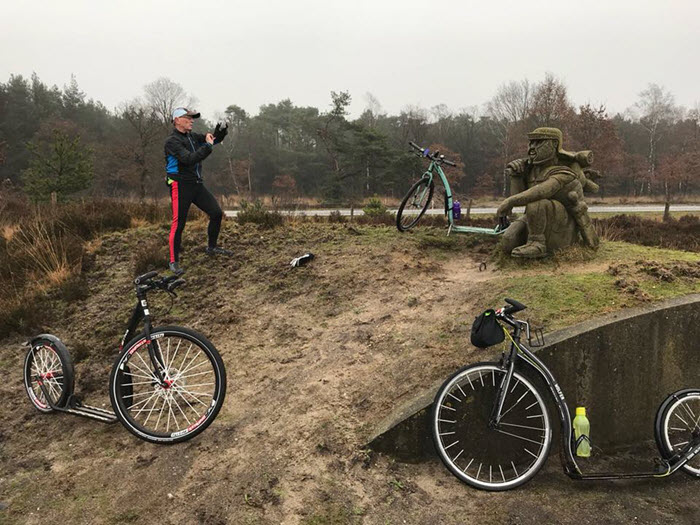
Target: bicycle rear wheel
189, 401
677, 424
414, 204
490, 458
48, 363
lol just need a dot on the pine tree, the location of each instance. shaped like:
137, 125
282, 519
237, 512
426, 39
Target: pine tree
63, 166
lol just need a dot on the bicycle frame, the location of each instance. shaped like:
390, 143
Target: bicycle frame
435, 167
520, 353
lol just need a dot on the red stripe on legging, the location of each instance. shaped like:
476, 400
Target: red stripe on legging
173, 226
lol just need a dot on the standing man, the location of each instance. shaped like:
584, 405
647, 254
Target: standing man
184, 153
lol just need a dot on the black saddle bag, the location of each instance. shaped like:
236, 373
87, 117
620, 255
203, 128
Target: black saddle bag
486, 330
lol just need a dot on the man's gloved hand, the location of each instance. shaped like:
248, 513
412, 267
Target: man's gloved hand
220, 132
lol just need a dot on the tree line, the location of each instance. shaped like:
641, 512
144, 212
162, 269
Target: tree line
59, 142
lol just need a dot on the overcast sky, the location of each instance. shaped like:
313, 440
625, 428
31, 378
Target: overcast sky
404, 52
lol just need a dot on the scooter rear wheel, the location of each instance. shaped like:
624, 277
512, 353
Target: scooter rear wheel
48, 363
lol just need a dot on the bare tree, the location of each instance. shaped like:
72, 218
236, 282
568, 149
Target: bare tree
550, 103
163, 96
443, 116
147, 128
507, 110
655, 110
373, 110
413, 123
512, 102
333, 124
238, 120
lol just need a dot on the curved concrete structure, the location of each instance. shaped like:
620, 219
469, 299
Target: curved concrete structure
620, 367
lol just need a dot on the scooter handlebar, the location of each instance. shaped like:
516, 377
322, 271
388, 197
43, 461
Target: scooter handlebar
145, 277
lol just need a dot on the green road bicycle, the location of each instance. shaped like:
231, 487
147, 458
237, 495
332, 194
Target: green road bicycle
416, 202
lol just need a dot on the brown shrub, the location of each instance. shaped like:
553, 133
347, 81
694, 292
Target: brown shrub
22, 313
43, 249
682, 234
150, 255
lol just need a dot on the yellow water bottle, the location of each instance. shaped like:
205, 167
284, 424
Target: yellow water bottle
582, 427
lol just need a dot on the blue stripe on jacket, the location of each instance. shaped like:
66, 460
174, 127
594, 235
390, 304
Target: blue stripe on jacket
171, 167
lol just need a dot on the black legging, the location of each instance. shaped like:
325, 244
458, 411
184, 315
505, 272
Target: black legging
182, 194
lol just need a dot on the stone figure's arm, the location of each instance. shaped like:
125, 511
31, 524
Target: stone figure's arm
543, 190
516, 170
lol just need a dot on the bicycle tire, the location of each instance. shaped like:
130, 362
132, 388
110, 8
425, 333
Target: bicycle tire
677, 420
48, 357
198, 408
412, 193
461, 412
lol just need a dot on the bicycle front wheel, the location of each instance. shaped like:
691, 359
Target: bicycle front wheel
677, 425
494, 459
414, 204
190, 399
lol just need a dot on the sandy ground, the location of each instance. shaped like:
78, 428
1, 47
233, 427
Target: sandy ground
315, 357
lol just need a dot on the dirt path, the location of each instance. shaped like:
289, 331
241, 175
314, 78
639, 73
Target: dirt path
315, 356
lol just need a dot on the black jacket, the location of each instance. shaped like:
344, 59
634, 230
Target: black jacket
184, 153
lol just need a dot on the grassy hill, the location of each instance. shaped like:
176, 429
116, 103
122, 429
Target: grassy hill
315, 356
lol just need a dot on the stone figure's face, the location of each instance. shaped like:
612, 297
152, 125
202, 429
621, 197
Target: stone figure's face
542, 150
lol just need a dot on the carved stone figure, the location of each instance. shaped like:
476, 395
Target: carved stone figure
550, 183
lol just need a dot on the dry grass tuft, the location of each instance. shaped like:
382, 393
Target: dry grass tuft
48, 251
8, 231
138, 222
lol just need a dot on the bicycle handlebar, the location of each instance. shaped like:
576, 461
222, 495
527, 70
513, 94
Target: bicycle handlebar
145, 282
425, 152
145, 277
171, 287
506, 312
514, 307
535, 336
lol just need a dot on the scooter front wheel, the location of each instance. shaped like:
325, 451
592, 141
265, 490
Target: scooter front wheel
48, 365
490, 458
187, 400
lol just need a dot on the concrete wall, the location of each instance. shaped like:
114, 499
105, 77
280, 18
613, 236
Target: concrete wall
620, 367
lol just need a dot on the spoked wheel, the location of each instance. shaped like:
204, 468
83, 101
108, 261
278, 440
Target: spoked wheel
48, 363
678, 424
191, 396
490, 458
414, 204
